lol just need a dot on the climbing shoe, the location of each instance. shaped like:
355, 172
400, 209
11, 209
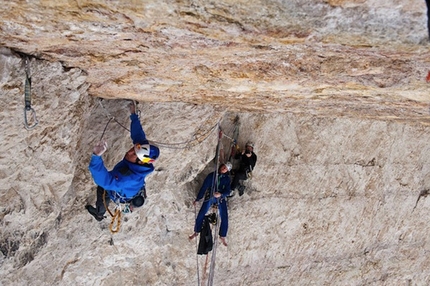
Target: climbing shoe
93, 211
241, 189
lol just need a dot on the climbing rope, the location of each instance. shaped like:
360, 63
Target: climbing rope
197, 249
215, 178
115, 223
204, 269
226, 136
104, 130
211, 267
215, 245
28, 110
198, 137
115, 218
233, 145
217, 226
214, 188
111, 118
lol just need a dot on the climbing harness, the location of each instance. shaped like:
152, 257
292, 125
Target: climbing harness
28, 110
115, 223
121, 207
212, 218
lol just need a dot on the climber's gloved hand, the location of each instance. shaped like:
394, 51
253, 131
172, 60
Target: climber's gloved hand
100, 148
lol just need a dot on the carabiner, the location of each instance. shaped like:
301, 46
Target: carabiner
28, 110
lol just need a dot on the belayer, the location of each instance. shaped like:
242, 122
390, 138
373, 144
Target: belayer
125, 183
248, 159
221, 191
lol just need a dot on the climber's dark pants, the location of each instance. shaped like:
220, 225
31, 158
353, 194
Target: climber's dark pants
136, 202
239, 175
100, 206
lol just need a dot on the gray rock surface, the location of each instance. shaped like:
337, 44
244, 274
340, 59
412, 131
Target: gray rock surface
333, 93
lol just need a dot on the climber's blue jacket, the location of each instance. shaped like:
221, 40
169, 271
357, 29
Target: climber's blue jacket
126, 179
223, 185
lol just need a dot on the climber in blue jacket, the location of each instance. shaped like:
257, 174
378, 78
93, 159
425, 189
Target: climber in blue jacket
219, 196
125, 183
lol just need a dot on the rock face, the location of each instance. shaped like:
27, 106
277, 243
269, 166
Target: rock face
333, 93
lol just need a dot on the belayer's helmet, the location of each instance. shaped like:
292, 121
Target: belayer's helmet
229, 166
250, 144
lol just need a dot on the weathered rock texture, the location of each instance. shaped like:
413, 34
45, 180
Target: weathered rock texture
333, 93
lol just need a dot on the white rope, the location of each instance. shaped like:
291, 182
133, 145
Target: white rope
212, 266
197, 249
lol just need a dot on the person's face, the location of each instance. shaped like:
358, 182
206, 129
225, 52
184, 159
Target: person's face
249, 148
131, 156
223, 169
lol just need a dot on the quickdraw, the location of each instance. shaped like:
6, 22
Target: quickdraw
28, 110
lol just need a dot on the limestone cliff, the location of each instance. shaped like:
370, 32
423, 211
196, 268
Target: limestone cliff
333, 93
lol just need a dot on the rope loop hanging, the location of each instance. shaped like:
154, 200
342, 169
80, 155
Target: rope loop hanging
114, 228
115, 223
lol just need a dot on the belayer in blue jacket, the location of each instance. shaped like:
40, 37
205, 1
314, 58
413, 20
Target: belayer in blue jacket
125, 183
220, 194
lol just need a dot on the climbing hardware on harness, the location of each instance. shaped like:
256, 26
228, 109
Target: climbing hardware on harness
28, 110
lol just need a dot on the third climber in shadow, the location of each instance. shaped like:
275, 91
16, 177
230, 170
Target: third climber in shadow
248, 159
